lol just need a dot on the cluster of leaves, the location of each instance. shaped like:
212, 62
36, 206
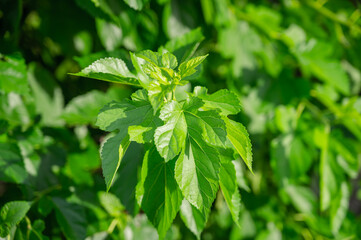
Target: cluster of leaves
293, 64
189, 140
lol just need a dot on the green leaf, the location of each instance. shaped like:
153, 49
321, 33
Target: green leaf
136, 4
84, 109
154, 58
212, 125
4, 124
112, 153
137, 63
228, 183
188, 68
286, 160
303, 199
328, 179
124, 186
71, 219
110, 34
12, 167
12, 213
111, 204
120, 115
38, 226
169, 60
49, 100
98, 9
224, 100
193, 218
170, 137
158, 92
140, 134
340, 208
158, 192
197, 170
332, 73
239, 138
13, 74
111, 70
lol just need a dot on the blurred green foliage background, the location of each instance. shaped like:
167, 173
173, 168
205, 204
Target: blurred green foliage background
295, 65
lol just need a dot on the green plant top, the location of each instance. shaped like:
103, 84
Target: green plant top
189, 140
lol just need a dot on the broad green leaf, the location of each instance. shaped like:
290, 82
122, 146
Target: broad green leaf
169, 138
120, 115
193, 218
316, 58
48, 96
197, 170
12, 213
224, 100
178, 18
340, 207
239, 138
286, 160
240, 42
187, 68
332, 73
110, 203
212, 125
124, 186
140, 228
111, 70
303, 199
228, 183
144, 133
13, 74
153, 58
71, 219
84, 109
140, 134
80, 165
112, 153
158, 192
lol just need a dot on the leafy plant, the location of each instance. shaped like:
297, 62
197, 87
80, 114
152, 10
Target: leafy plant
189, 139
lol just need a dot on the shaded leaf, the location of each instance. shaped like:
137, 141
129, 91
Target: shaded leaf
228, 183
193, 218
71, 219
158, 192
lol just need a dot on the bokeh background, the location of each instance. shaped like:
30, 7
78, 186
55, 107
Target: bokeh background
295, 65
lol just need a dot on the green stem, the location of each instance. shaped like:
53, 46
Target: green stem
331, 15
41, 194
112, 226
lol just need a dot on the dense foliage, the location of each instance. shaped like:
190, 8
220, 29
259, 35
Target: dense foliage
292, 70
